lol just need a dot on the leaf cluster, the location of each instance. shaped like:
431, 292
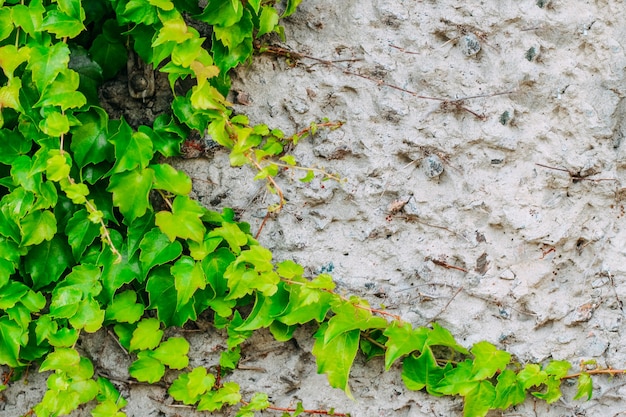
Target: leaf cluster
85, 246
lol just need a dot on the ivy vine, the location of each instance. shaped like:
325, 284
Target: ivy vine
85, 243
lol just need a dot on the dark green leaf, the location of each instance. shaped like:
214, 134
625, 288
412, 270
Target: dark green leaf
157, 249
108, 50
188, 278
12, 293
46, 262
10, 338
89, 140
132, 149
81, 232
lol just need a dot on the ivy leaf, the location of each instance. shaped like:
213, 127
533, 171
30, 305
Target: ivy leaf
11, 57
157, 249
188, 278
170, 179
38, 226
479, 400
89, 140
214, 266
422, 371
162, 291
173, 353
131, 191
268, 20
221, 12
584, 387
28, 17
47, 261
188, 387
10, 336
81, 232
108, 392
62, 359
232, 234
62, 25
289, 269
265, 310
108, 49
440, 336
488, 360
350, 317
124, 308
558, 369
552, 391
174, 30
532, 376
306, 304
233, 35
336, 357
459, 380
402, 339
184, 220
509, 390
88, 316
200, 251
62, 92
147, 335
132, 149
47, 61
146, 368
292, 5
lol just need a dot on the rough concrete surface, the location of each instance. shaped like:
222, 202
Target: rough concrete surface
506, 228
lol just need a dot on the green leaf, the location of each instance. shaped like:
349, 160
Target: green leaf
184, 220
48, 61
214, 266
157, 249
265, 310
221, 12
348, 317
558, 369
11, 57
584, 387
146, 368
552, 391
10, 337
402, 339
131, 192
422, 371
532, 376
88, 316
459, 380
200, 251
55, 124
81, 232
162, 290
170, 179
440, 336
488, 360
124, 308
12, 145
242, 279
188, 278
479, 400
147, 335
509, 390
188, 387
289, 269
28, 17
268, 20
310, 175
47, 261
233, 35
132, 149
305, 305
174, 30
12, 293
108, 392
62, 92
336, 357
110, 54
38, 226
62, 25
173, 353
232, 234
89, 140
62, 359
292, 5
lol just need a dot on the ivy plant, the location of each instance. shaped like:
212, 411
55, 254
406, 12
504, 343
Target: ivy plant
98, 230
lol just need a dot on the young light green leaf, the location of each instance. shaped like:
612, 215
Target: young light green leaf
62, 25
584, 387
558, 369
509, 390
348, 317
459, 380
552, 391
336, 357
47, 61
479, 400
232, 234
402, 339
124, 308
38, 226
184, 220
131, 191
108, 392
532, 376
147, 335
146, 368
188, 387
488, 360
88, 316
289, 269
440, 336
173, 353
63, 92
268, 20
292, 5
170, 179
62, 359
10, 338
